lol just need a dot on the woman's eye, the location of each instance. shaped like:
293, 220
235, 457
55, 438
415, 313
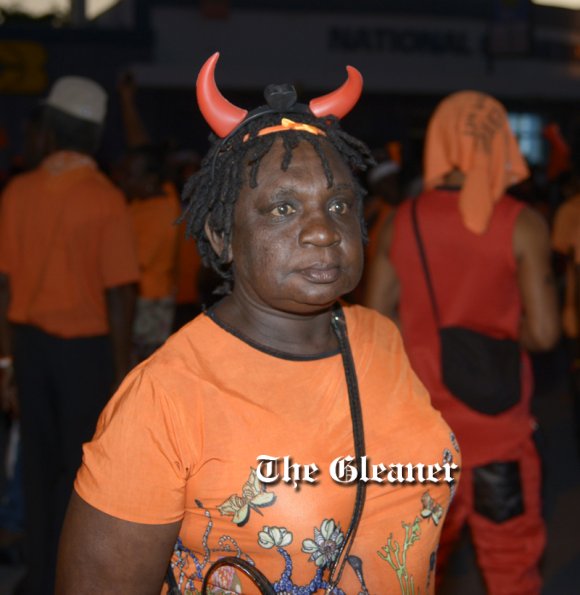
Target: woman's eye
339, 207
283, 210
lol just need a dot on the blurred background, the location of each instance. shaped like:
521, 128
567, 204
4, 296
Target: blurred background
411, 53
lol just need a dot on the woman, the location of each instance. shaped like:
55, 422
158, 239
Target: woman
187, 453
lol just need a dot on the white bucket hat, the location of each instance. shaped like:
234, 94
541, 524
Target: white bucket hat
79, 97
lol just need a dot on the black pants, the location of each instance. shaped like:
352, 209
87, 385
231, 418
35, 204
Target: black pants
63, 384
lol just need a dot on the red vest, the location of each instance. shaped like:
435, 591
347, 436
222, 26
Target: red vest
475, 282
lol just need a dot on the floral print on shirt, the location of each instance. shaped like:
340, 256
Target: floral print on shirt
322, 548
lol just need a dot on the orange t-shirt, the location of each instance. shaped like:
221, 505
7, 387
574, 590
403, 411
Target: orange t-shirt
65, 237
188, 269
180, 439
566, 240
154, 225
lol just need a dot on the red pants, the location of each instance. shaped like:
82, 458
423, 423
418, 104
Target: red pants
508, 553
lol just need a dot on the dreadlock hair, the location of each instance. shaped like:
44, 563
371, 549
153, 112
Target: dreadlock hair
211, 193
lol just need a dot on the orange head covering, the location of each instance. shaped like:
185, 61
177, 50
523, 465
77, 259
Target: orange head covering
470, 132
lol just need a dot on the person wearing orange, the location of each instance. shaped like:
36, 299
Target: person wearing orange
226, 448
154, 209
190, 295
466, 255
188, 299
156, 233
67, 288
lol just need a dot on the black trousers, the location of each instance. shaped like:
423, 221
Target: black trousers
63, 384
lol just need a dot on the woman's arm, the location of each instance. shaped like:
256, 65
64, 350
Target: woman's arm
540, 327
104, 555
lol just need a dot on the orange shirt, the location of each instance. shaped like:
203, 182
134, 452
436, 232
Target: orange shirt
154, 225
180, 439
566, 240
188, 269
65, 237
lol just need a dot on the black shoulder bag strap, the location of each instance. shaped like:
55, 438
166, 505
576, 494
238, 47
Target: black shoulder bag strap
339, 326
338, 323
424, 263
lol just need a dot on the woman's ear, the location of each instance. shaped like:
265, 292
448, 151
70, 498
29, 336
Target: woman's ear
216, 239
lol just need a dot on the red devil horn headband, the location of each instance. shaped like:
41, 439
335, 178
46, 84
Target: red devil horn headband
339, 102
223, 117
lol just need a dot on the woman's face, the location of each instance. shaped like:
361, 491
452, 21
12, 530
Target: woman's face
296, 244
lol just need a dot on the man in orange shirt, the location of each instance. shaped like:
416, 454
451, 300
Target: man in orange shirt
67, 285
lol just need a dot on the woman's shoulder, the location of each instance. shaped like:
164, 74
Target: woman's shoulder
369, 325
188, 350
170, 381
357, 314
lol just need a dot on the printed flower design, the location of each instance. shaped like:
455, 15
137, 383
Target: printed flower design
271, 537
326, 545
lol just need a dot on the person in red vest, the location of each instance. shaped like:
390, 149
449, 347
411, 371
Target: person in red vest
489, 262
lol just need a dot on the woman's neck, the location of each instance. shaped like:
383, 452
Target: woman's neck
295, 334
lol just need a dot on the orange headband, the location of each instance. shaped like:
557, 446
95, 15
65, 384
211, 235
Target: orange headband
287, 124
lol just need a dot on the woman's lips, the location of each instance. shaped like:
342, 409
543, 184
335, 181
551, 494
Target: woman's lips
321, 273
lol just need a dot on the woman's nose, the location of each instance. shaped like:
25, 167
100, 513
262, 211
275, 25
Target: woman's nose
319, 229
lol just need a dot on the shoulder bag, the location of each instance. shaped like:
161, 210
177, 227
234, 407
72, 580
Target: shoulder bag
481, 371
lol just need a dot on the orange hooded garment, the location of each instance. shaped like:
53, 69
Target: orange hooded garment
470, 132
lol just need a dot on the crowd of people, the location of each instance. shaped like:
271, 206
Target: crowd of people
90, 277
188, 346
